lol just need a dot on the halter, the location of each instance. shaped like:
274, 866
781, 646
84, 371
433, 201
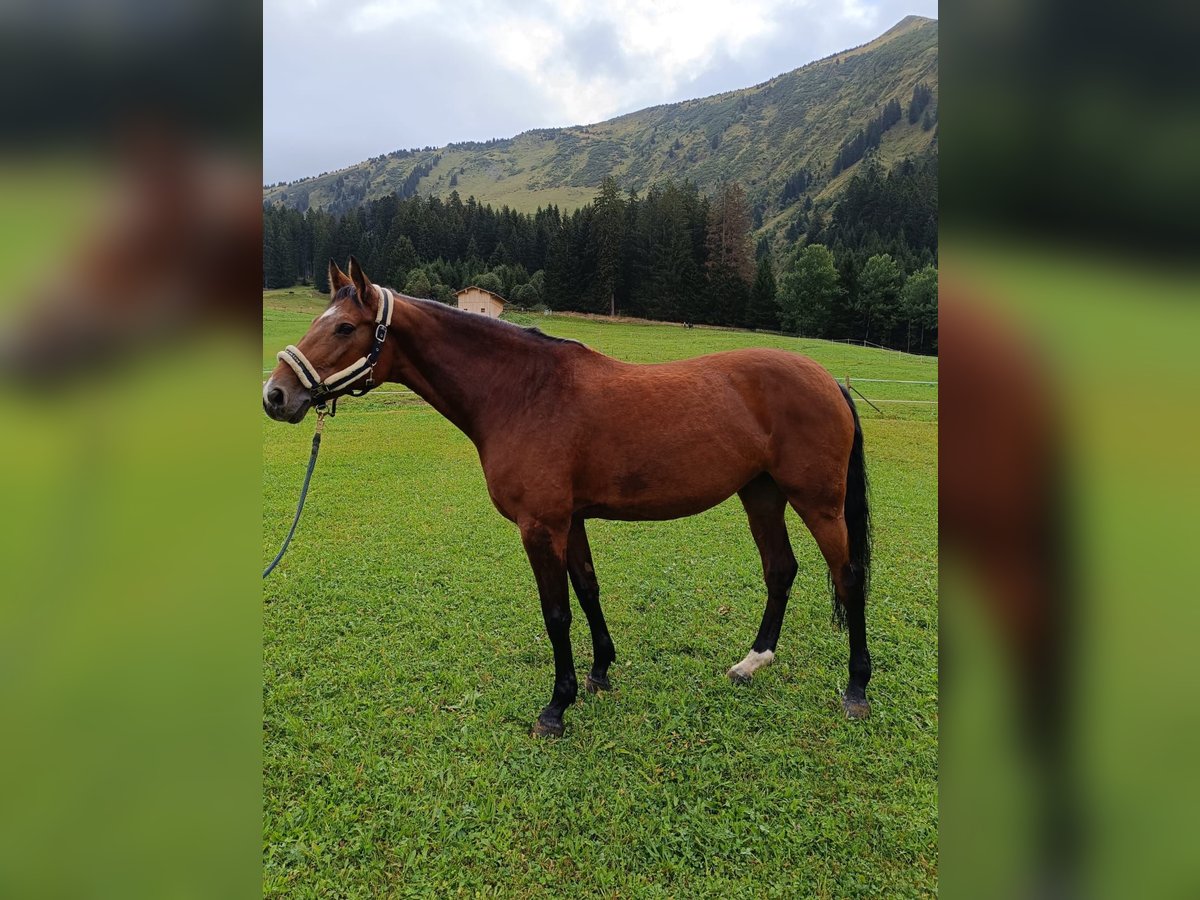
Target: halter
321, 388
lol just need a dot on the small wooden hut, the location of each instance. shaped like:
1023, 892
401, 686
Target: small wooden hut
478, 300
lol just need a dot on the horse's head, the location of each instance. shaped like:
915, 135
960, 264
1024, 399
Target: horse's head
338, 348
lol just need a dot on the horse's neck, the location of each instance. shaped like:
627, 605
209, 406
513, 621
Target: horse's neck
448, 363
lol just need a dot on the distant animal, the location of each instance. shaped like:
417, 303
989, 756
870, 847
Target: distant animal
566, 434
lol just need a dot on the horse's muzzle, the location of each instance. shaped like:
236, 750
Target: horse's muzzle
285, 406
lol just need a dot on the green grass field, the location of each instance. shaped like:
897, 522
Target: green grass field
405, 661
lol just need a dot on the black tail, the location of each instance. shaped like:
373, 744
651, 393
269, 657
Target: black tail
858, 515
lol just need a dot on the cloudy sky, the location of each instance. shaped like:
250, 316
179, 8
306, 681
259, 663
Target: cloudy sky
344, 80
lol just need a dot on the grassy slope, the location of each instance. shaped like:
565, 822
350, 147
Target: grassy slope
764, 133
405, 659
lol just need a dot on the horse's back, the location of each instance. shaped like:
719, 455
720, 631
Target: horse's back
771, 387
674, 438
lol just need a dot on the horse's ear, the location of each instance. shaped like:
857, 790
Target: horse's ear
337, 278
362, 283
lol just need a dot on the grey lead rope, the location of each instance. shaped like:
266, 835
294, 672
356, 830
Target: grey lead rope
312, 462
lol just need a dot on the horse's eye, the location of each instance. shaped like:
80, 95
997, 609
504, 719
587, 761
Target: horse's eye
344, 328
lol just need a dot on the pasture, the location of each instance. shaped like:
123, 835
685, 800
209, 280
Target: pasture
405, 660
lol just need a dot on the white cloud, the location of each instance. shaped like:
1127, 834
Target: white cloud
861, 13
664, 44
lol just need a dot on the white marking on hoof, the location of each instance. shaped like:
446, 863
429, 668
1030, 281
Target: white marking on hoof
754, 661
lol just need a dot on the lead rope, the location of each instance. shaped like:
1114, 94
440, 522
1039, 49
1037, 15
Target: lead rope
312, 462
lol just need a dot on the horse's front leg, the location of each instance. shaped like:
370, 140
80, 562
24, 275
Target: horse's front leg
546, 547
587, 589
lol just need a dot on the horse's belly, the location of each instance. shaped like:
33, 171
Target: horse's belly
653, 511
692, 448
650, 490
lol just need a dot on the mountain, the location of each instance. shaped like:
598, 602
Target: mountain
795, 138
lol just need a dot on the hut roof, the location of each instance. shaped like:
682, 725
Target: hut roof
475, 287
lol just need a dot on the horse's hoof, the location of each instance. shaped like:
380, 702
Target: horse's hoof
856, 707
742, 672
542, 728
737, 676
596, 685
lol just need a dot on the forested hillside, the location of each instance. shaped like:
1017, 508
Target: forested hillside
865, 271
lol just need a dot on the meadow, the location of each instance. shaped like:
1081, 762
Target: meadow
405, 660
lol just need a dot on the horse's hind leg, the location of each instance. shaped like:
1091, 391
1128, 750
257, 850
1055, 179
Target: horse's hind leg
765, 505
587, 589
828, 527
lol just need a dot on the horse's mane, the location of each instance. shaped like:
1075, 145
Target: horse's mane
468, 319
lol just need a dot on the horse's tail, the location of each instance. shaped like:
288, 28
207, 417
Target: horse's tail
857, 514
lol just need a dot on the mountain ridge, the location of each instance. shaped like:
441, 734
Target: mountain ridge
788, 131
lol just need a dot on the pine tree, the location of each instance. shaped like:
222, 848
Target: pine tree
270, 234
761, 311
670, 281
472, 251
500, 256
878, 296
560, 283
608, 231
730, 256
399, 256
320, 227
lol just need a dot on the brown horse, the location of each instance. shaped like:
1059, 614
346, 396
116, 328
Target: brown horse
614, 441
